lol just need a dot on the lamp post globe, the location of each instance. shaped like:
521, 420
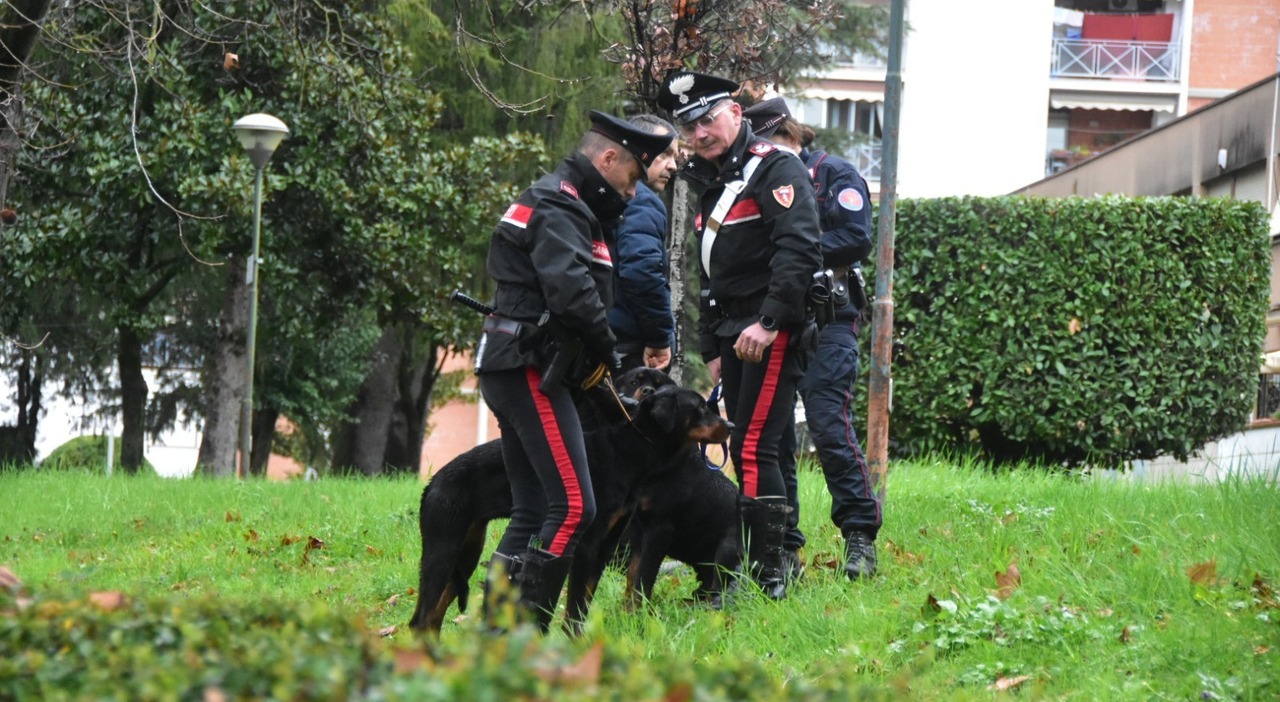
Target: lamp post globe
260, 134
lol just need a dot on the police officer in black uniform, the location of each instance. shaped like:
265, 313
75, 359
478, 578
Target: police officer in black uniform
757, 228
844, 207
551, 260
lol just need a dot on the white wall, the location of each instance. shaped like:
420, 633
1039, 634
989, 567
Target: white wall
975, 97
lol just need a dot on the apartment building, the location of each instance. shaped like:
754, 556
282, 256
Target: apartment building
1000, 94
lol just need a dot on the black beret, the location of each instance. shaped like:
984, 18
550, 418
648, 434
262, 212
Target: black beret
645, 146
766, 116
688, 95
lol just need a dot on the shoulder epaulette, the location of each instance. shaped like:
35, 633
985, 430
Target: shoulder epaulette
567, 187
762, 148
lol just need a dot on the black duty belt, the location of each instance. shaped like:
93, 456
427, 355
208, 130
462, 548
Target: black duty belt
737, 309
494, 323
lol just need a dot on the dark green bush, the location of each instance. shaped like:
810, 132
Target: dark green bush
198, 649
86, 453
1076, 331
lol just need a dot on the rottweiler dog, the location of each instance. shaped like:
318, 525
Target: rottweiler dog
689, 513
472, 490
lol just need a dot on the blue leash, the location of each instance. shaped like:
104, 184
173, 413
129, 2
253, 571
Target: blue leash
713, 401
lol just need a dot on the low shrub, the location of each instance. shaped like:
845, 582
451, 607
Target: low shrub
86, 453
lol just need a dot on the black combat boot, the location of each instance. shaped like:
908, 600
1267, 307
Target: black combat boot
501, 592
541, 579
764, 520
860, 555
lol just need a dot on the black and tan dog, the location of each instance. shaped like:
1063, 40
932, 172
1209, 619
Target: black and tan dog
472, 490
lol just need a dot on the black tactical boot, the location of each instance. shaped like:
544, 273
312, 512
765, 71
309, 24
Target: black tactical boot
541, 579
501, 592
764, 521
793, 565
860, 555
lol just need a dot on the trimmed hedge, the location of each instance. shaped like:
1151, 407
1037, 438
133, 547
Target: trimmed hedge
86, 453
107, 647
1076, 331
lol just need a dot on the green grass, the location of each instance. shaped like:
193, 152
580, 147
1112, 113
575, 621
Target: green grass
1105, 608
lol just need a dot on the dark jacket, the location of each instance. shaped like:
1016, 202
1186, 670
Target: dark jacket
641, 313
551, 252
766, 251
844, 209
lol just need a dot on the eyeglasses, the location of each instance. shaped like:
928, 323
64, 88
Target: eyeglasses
704, 121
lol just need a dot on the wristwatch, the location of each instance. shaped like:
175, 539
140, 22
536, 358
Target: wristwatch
768, 323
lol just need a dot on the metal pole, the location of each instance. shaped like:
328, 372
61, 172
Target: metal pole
880, 382
251, 338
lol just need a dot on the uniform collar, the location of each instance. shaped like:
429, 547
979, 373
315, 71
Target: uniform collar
596, 193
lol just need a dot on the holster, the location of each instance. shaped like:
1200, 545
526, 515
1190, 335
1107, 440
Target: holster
819, 303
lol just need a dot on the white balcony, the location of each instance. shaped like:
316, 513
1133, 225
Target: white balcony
1108, 59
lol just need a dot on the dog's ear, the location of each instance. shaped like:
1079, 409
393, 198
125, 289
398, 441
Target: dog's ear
664, 410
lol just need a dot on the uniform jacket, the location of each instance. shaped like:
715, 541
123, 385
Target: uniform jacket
767, 247
641, 313
551, 252
844, 209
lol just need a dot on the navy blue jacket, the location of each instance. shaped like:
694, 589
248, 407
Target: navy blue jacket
641, 313
844, 209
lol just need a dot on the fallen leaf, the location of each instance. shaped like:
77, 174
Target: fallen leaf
1259, 650
393, 599
1009, 518
407, 660
1105, 612
386, 631
1008, 581
683, 692
230, 62
251, 535
1002, 684
1136, 550
1125, 635
373, 551
214, 694
1204, 573
289, 539
233, 516
107, 601
8, 580
314, 544
585, 671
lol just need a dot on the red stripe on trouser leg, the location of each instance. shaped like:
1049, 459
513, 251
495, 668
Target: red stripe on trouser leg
759, 415
564, 464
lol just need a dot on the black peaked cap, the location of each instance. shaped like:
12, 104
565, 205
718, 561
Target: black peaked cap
767, 115
688, 95
645, 146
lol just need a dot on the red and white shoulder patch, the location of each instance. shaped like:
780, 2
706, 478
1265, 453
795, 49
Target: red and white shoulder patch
763, 148
518, 215
785, 195
567, 187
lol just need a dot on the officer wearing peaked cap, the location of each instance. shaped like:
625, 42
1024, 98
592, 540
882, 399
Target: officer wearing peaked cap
829, 383
551, 261
757, 229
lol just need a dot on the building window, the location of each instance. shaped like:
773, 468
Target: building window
860, 117
1268, 396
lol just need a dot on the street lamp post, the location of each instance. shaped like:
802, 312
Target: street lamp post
259, 134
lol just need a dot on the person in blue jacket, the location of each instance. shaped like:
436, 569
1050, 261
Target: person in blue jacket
844, 209
641, 317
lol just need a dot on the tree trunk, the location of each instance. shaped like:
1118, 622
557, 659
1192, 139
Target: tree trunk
226, 378
18, 442
264, 434
20, 23
363, 446
676, 248
418, 375
133, 398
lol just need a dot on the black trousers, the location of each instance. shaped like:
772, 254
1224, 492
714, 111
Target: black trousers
828, 390
546, 459
760, 400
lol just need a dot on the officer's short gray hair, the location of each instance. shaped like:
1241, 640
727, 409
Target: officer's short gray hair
652, 123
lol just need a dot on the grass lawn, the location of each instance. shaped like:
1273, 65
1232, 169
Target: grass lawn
1053, 586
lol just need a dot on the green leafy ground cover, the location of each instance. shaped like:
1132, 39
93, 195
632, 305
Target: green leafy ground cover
1019, 584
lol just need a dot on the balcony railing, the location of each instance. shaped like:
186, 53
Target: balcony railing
866, 158
1093, 58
